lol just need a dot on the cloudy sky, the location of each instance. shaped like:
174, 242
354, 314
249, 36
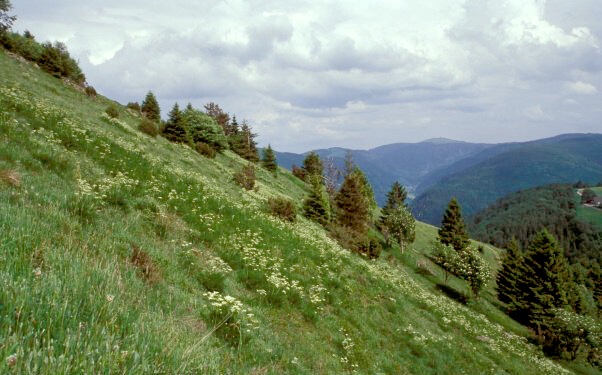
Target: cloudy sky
358, 74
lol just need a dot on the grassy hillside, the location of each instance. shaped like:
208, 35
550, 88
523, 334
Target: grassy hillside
564, 159
122, 253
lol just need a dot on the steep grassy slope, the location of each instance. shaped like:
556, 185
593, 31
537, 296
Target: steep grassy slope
564, 159
221, 287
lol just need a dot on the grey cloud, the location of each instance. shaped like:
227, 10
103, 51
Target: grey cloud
318, 74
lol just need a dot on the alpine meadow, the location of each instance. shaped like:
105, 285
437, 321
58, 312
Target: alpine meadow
138, 239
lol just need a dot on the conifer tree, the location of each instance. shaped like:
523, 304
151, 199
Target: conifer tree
353, 204
175, 128
396, 196
313, 166
316, 206
248, 146
453, 230
509, 274
269, 159
543, 282
150, 107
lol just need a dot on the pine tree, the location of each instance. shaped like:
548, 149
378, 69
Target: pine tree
509, 274
453, 230
150, 107
175, 128
269, 159
353, 204
316, 206
543, 282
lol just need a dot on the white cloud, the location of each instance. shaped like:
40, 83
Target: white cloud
581, 88
345, 73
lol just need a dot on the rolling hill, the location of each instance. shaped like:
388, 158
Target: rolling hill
563, 159
123, 253
522, 214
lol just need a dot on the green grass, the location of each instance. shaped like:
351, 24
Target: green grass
589, 214
234, 290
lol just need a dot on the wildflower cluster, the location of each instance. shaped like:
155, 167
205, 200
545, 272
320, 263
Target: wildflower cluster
217, 264
231, 315
348, 346
114, 121
100, 190
271, 265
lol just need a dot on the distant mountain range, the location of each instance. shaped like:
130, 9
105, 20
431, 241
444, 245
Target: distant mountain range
408, 163
475, 173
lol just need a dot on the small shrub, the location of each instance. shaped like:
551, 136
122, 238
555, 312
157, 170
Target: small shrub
298, 172
245, 178
370, 247
112, 111
205, 150
145, 265
362, 243
91, 91
133, 106
283, 208
10, 177
149, 127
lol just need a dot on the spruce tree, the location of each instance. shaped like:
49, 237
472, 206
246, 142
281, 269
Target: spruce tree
353, 204
509, 274
453, 230
175, 128
396, 196
316, 206
248, 148
543, 282
269, 159
150, 107
313, 166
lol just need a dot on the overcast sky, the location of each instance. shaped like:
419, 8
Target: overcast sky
358, 74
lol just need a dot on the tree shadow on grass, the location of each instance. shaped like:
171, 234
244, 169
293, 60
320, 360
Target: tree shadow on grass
453, 294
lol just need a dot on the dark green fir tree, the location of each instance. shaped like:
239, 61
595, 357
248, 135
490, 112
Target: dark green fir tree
175, 129
543, 282
269, 159
509, 274
316, 206
150, 107
312, 164
453, 230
